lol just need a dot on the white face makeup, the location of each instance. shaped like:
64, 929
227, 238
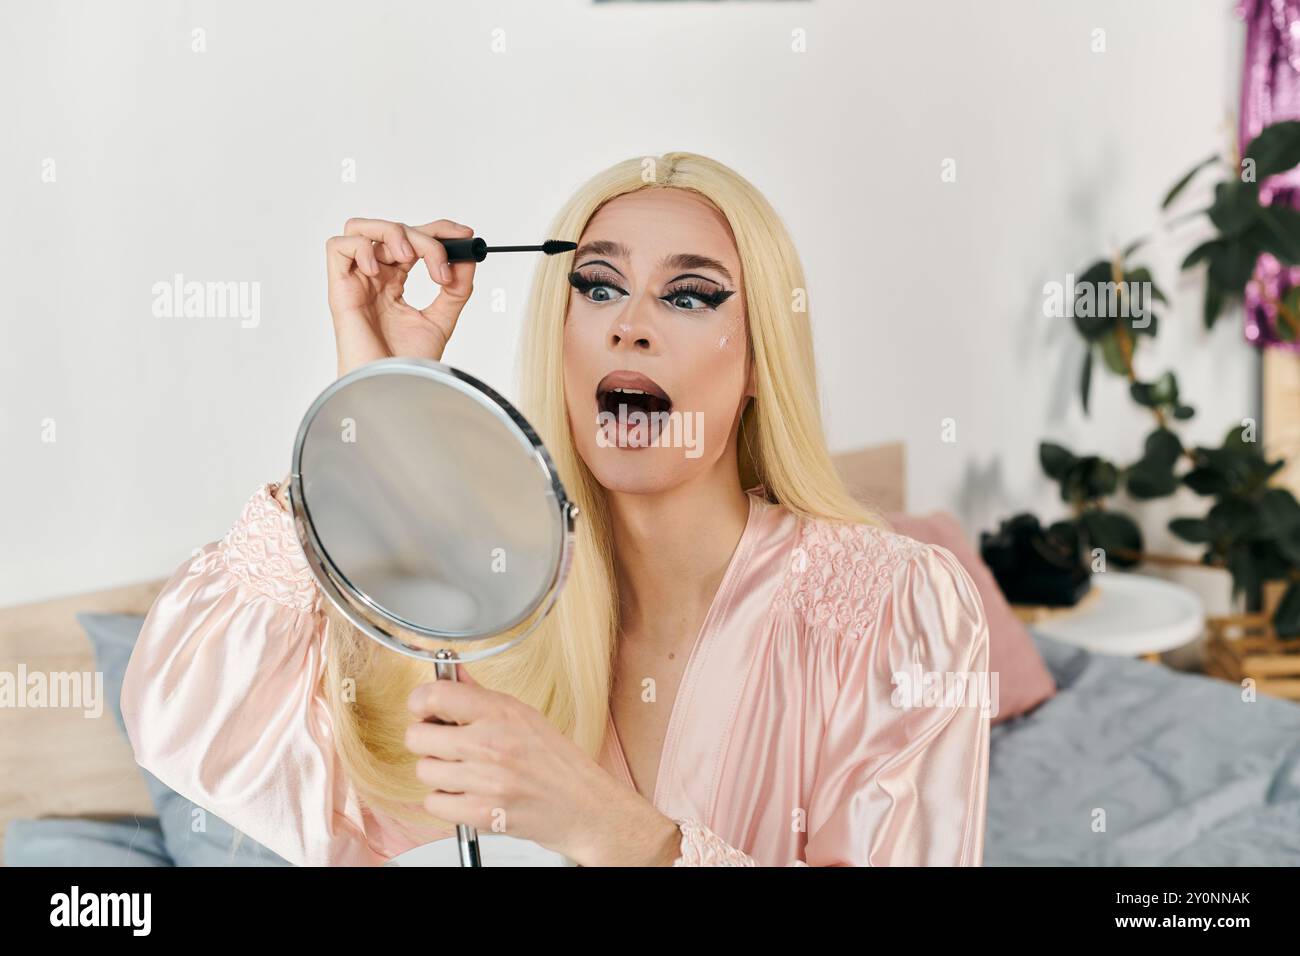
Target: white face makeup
655, 341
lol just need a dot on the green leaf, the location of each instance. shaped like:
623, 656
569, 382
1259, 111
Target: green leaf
1203, 252
1235, 440
1163, 447
1286, 619
1240, 469
1195, 530
1285, 330
1236, 206
1099, 271
1245, 572
1289, 545
1091, 322
1183, 412
1149, 480
1233, 517
1179, 186
1232, 265
1092, 327
1143, 275
1153, 476
1207, 481
1055, 459
1138, 311
1112, 355
1273, 564
1143, 393
1278, 233
1165, 390
1089, 478
1113, 533
1213, 303
1102, 478
1279, 512
1085, 378
1275, 150
1097, 301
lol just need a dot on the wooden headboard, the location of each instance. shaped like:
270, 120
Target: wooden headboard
57, 762
876, 476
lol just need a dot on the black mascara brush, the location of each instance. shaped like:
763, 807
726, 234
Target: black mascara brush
476, 250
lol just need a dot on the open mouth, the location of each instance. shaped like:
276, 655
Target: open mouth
632, 389
620, 396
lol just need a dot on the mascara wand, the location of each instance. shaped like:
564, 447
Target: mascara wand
476, 250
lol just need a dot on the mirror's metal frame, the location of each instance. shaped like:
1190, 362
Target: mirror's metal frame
342, 593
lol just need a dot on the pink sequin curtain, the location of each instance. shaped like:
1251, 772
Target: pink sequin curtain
1270, 92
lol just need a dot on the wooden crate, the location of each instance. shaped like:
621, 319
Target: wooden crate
1244, 645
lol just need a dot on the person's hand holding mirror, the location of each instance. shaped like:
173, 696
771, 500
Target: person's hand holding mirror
504, 766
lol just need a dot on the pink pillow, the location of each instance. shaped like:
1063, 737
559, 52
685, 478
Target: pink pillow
1023, 679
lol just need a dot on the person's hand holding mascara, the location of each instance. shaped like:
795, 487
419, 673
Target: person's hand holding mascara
368, 266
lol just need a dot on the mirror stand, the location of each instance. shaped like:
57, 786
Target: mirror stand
444, 668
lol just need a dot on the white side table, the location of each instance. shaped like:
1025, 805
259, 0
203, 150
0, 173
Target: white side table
1131, 615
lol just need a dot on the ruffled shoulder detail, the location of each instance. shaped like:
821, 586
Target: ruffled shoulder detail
700, 846
262, 552
839, 573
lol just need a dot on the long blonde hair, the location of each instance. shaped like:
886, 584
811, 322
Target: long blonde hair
565, 669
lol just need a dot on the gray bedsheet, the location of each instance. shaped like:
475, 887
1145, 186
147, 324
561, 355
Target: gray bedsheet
1187, 773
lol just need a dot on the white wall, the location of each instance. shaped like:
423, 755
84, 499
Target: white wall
225, 166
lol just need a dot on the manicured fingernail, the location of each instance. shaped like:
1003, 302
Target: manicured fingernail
445, 272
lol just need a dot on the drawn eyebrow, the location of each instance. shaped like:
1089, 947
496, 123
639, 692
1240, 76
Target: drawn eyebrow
681, 260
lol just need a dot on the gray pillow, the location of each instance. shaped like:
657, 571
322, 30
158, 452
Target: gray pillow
216, 843
61, 841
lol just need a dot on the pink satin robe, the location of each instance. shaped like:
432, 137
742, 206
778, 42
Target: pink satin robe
786, 744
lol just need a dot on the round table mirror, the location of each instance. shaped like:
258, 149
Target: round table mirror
430, 514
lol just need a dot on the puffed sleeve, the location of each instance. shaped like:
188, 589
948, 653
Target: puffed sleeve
903, 776
222, 699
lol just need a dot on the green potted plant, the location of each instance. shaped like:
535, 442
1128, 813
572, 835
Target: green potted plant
1249, 528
